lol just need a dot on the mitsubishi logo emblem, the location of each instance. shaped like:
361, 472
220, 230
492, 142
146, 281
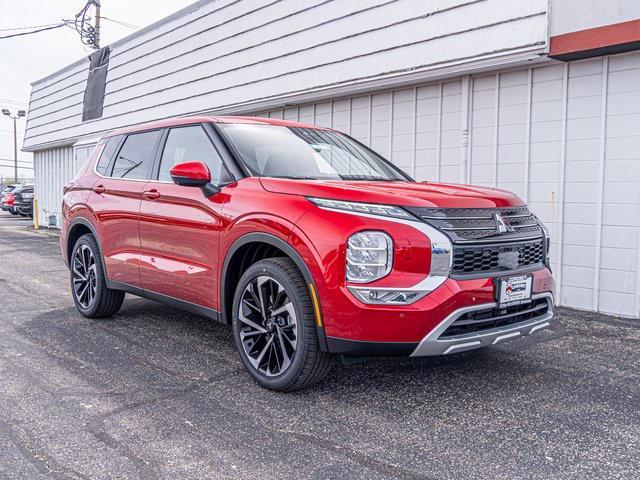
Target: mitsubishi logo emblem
502, 226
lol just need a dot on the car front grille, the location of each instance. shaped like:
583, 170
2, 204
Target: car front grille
470, 259
478, 321
471, 225
489, 241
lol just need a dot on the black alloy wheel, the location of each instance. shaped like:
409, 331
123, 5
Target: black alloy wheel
92, 297
274, 326
83, 274
268, 334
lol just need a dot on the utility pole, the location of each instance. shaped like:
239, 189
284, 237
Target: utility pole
97, 40
20, 113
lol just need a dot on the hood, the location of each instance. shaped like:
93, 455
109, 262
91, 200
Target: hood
406, 194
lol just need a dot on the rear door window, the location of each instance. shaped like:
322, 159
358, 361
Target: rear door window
135, 159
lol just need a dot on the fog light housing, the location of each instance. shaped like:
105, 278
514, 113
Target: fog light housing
369, 256
382, 296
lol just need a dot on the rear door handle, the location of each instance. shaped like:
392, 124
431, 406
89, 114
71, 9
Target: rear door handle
151, 194
99, 189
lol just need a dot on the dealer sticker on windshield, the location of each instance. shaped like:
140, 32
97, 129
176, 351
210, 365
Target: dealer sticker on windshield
514, 290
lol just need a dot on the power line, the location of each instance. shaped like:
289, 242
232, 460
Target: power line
124, 24
81, 23
26, 28
34, 31
89, 34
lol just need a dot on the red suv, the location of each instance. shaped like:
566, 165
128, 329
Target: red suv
306, 241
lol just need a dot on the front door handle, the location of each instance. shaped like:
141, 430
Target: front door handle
99, 189
151, 194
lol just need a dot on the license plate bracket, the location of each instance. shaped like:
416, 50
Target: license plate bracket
513, 290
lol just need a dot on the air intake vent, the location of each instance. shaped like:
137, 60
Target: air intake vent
479, 321
469, 260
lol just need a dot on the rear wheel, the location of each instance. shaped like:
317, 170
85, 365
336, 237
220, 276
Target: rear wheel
88, 285
275, 329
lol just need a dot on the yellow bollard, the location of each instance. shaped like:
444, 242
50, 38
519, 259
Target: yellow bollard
36, 224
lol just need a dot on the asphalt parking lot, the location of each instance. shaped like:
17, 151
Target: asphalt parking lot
158, 393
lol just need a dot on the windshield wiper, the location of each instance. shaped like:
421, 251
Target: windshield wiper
342, 177
368, 179
302, 177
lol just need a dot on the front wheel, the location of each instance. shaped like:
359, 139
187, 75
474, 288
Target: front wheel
275, 329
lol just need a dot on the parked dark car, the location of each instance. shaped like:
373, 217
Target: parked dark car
23, 200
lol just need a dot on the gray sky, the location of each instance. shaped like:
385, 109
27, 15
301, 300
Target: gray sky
26, 59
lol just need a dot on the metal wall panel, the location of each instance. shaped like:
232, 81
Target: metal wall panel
565, 137
53, 168
227, 56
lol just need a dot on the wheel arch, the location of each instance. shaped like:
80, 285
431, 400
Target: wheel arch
232, 259
78, 227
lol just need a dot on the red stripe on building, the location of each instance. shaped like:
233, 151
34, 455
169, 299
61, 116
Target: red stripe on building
614, 38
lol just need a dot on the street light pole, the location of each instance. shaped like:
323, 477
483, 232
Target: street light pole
15, 149
18, 114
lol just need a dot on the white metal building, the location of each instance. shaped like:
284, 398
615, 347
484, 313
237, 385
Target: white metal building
539, 97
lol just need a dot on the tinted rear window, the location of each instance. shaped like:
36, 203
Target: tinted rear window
107, 154
135, 159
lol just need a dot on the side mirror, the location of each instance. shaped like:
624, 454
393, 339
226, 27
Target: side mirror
190, 174
194, 174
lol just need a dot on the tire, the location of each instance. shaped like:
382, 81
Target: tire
306, 364
98, 301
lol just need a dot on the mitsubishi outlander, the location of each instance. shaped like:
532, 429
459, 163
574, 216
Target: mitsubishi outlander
306, 242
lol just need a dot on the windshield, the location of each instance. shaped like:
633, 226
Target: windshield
306, 153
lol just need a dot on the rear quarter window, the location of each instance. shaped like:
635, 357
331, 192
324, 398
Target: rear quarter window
107, 154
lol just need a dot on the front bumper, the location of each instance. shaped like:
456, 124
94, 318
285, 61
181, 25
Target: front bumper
356, 329
437, 344
24, 208
434, 343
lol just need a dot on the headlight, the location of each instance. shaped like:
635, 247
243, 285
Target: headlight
365, 208
369, 256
